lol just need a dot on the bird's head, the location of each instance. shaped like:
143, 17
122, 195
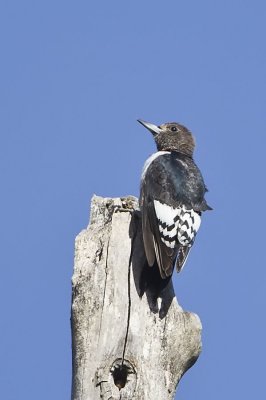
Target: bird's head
171, 137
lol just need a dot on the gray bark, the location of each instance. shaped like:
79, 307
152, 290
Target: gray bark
127, 342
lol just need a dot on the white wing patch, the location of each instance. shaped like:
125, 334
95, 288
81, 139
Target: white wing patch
176, 224
168, 222
188, 226
165, 213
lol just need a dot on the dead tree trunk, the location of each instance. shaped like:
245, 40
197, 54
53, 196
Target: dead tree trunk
128, 342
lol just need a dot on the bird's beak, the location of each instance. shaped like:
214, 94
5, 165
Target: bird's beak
151, 127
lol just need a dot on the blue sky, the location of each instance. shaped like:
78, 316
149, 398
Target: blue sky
75, 76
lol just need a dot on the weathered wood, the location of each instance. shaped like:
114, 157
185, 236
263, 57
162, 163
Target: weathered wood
127, 344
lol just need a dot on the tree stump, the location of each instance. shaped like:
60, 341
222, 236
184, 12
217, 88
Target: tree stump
129, 339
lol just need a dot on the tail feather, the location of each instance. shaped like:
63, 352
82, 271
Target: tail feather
182, 257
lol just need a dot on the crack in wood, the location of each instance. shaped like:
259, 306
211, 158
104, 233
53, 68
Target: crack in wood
129, 297
104, 289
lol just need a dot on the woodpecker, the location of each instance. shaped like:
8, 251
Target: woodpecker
171, 197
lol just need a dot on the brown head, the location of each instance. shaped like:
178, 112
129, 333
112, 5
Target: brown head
171, 137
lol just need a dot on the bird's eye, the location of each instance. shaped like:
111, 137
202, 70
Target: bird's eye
174, 129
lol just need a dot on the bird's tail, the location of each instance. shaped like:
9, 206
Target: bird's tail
182, 257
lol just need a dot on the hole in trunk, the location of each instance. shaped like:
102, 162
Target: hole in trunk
123, 373
120, 373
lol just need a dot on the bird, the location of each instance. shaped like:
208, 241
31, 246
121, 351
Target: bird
172, 198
